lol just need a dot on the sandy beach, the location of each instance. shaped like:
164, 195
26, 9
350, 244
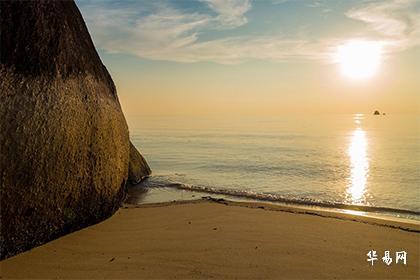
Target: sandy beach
223, 240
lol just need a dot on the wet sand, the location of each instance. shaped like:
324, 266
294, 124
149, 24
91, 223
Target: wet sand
223, 240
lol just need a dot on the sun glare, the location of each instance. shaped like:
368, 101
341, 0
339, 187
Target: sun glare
359, 59
359, 166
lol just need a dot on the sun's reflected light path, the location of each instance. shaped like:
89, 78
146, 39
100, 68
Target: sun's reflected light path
359, 164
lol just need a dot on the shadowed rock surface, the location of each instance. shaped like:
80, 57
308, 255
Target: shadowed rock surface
63, 137
138, 169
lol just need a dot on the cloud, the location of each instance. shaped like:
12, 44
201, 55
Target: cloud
321, 5
165, 33
128, 30
397, 22
231, 13
238, 49
279, 2
314, 4
162, 32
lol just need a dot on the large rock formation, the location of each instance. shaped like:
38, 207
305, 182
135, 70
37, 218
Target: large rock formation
64, 141
138, 169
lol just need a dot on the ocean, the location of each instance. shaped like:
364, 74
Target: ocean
358, 162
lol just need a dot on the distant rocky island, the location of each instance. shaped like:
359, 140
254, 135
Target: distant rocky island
66, 155
377, 113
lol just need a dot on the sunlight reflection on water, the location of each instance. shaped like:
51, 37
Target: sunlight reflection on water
359, 164
347, 159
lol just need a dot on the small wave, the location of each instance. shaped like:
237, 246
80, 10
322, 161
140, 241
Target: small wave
157, 182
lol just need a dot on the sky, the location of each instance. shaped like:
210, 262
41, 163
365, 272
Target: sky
258, 58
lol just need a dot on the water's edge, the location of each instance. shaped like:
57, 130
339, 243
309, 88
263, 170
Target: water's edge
175, 191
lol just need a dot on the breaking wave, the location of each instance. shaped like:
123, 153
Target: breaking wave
162, 182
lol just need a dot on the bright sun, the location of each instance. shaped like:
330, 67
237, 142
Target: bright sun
359, 59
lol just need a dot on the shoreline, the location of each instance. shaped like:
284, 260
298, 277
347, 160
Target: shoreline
386, 221
180, 193
214, 238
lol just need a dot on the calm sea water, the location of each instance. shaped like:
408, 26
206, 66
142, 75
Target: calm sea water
330, 160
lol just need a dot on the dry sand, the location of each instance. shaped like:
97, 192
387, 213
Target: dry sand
206, 239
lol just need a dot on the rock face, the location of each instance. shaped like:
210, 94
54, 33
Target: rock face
138, 169
63, 138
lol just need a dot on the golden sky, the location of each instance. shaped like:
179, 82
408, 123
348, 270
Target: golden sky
244, 57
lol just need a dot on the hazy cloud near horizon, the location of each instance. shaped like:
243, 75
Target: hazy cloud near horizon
223, 31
